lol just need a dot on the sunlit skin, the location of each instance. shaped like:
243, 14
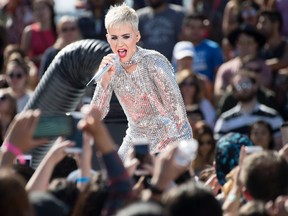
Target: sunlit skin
122, 39
260, 136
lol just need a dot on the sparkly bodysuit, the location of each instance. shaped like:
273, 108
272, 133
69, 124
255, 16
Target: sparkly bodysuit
151, 100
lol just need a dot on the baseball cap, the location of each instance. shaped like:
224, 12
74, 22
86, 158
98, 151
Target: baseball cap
183, 49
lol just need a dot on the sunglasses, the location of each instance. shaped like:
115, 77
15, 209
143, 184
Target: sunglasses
15, 75
247, 85
68, 29
208, 142
191, 83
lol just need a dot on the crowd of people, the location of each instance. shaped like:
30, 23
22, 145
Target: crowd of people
215, 73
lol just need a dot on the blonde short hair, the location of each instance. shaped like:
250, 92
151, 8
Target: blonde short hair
120, 14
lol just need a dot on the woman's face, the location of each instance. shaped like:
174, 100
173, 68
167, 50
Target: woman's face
41, 11
16, 77
260, 136
69, 31
188, 88
4, 103
205, 144
123, 40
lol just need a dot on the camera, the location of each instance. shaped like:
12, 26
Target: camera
142, 153
77, 135
253, 149
53, 125
186, 151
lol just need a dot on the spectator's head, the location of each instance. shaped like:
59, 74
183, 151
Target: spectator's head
261, 134
68, 31
95, 192
281, 80
192, 198
155, 4
189, 85
194, 114
244, 86
13, 199
8, 110
206, 148
44, 204
24, 170
253, 208
270, 22
246, 40
65, 191
194, 28
17, 72
141, 208
248, 13
183, 54
227, 153
44, 12
264, 176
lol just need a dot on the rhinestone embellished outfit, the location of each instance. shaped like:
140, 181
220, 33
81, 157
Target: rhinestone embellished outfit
151, 100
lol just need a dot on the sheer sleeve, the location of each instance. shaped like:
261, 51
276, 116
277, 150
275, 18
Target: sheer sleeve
101, 98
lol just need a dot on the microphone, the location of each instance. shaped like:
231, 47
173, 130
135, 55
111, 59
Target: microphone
102, 71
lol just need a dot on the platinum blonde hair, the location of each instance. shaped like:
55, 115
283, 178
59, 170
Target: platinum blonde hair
120, 14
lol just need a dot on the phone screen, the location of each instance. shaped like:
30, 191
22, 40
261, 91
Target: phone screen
53, 125
141, 152
77, 135
28, 160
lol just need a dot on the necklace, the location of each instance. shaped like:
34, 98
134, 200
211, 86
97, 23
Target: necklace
129, 63
133, 60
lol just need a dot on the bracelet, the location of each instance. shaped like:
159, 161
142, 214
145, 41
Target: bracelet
15, 151
83, 180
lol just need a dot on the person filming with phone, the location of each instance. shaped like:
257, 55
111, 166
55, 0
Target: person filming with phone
144, 84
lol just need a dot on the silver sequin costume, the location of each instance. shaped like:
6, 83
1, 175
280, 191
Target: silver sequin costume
151, 100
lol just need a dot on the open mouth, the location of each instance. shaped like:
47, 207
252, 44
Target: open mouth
122, 53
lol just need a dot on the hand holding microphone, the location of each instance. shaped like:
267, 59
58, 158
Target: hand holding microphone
106, 64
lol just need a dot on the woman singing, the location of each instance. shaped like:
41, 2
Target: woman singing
144, 83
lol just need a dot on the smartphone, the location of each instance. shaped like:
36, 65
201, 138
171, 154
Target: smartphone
28, 160
253, 149
53, 125
77, 135
284, 133
142, 153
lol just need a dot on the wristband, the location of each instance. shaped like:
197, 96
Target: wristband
232, 197
83, 180
15, 151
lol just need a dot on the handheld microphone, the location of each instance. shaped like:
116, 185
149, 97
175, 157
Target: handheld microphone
102, 71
